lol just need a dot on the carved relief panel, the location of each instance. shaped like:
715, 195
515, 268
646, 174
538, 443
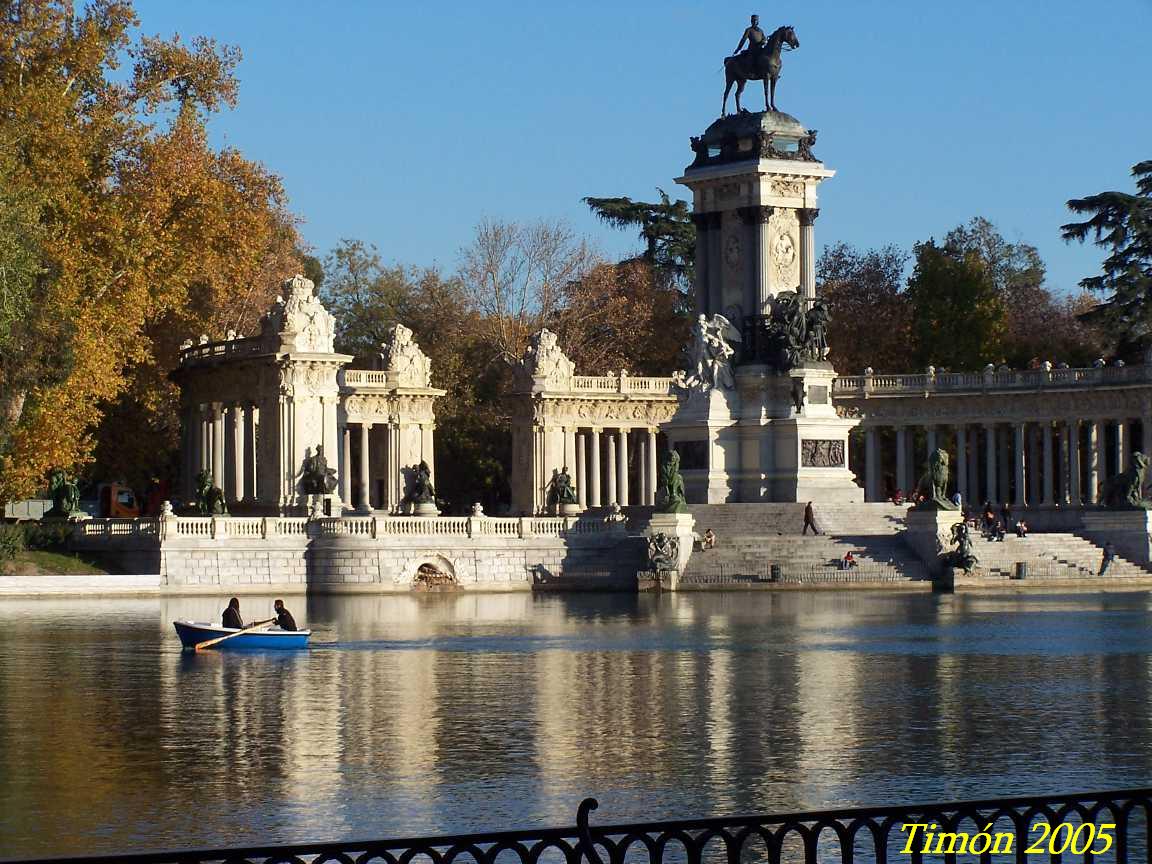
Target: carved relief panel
784, 249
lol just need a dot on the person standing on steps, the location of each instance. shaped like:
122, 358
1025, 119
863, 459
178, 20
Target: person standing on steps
809, 519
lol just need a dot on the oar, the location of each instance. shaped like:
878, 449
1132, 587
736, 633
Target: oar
202, 645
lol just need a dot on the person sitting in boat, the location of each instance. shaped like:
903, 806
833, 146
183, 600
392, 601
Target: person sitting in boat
284, 619
231, 617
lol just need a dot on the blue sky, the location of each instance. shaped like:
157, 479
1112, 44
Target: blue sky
404, 124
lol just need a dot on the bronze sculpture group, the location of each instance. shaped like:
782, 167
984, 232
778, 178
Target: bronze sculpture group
759, 62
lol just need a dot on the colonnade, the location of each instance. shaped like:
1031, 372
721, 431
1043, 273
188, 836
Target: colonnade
1026, 463
612, 465
220, 438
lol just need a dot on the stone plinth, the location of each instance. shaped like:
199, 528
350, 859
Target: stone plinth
703, 432
1128, 530
570, 509
928, 533
679, 526
425, 509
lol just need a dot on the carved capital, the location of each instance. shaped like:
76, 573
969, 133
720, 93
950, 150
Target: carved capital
755, 215
807, 215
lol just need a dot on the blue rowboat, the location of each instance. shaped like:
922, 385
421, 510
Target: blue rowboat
192, 633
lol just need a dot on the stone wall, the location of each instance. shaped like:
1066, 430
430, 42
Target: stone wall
371, 554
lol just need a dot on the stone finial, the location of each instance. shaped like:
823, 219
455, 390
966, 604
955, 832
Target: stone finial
868, 370
186, 344
401, 356
299, 323
477, 510
203, 339
1046, 365
544, 363
166, 509
231, 335
1119, 363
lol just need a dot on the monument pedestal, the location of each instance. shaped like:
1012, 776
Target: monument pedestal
569, 509
703, 432
678, 526
425, 509
928, 533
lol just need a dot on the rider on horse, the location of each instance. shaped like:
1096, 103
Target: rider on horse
753, 35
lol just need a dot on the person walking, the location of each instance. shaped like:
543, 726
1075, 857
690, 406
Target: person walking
1106, 559
809, 519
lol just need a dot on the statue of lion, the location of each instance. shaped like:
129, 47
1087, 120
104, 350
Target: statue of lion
933, 483
1126, 489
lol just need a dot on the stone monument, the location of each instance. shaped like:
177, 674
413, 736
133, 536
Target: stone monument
761, 425
670, 530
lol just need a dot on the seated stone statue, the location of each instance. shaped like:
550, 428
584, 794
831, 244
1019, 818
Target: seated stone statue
317, 478
1126, 489
562, 492
209, 498
670, 489
663, 552
964, 555
933, 483
65, 495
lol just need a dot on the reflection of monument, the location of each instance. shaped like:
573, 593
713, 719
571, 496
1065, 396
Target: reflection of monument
756, 420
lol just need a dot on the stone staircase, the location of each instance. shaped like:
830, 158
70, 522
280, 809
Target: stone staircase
1053, 555
753, 537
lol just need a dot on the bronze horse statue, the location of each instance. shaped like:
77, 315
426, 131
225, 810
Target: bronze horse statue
758, 64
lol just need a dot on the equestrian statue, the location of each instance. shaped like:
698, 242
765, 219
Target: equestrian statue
760, 61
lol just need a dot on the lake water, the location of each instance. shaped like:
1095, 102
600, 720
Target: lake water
433, 714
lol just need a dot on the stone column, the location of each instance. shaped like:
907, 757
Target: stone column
1036, 469
1004, 464
1146, 432
930, 438
237, 416
652, 469
1062, 494
807, 216
974, 463
703, 286
641, 470
756, 221
902, 459
622, 464
1123, 446
250, 490
1074, 491
611, 474
581, 474
1046, 467
1018, 453
365, 469
1095, 457
205, 440
594, 469
871, 492
218, 445
962, 463
346, 468
990, 459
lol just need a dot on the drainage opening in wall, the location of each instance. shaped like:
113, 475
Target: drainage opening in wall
435, 575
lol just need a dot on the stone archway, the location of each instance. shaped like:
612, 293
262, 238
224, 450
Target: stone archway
433, 573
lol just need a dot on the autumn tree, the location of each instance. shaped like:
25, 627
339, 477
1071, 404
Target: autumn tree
1121, 222
144, 234
871, 317
957, 315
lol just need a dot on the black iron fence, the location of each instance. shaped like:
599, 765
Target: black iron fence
1093, 827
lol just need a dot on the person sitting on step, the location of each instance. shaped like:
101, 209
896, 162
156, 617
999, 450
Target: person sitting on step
709, 540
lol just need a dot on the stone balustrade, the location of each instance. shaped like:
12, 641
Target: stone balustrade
983, 382
97, 531
622, 384
227, 348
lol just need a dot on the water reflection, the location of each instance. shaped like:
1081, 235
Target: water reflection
422, 714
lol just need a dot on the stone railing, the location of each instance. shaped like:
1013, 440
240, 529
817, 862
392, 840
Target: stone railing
622, 384
989, 380
372, 527
216, 350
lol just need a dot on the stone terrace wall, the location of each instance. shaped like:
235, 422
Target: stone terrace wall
369, 553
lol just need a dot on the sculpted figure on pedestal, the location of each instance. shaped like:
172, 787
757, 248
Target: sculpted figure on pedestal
964, 555
761, 62
1125, 491
317, 478
663, 552
670, 489
422, 491
400, 354
562, 492
710, 355
209, 497
933, 483
545, 360
299, 323
65, 495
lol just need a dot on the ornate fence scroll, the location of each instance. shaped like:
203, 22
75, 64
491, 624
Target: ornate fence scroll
873, 834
